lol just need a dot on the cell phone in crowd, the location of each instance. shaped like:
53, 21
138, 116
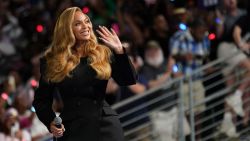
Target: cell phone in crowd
175, 68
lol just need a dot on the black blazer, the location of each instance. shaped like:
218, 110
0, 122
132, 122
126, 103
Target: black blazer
83, 97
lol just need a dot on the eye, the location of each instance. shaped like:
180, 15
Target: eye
77, 24
87, 21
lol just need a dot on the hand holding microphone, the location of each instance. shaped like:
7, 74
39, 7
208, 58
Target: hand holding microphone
56, 127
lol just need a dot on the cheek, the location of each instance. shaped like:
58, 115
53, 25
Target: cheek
90, 26
75, 32
76, 29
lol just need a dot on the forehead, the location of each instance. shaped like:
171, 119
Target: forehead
79, 16
153, 49
200, 28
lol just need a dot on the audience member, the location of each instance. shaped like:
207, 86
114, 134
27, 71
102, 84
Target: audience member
190, 49
157, 70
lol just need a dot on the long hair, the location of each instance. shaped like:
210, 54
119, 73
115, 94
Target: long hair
62, 56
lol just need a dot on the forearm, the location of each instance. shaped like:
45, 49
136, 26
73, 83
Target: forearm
137, 88
180, 58
160, 81
43, 108
237, 35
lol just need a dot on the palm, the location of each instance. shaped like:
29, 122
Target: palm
109, 37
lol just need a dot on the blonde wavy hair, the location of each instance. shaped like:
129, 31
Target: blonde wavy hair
62, 56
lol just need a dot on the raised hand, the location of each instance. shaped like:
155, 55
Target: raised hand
110, 38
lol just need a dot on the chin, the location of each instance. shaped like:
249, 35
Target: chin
85, 38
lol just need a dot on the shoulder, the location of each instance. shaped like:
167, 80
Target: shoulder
242, 21
179, 35
43, 64
146, 68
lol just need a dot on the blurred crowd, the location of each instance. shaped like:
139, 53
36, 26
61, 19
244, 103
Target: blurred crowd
165, 39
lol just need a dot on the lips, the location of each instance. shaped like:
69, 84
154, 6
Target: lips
85, 33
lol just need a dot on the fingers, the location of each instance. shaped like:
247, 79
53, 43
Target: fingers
57, 132
104, 31
113, 32
105, 34
100, 33
103, 39
110, 38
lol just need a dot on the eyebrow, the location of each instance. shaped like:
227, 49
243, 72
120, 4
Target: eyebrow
81, 20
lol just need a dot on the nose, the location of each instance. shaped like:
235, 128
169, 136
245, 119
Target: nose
84, 25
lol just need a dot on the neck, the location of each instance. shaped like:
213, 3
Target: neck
161, 33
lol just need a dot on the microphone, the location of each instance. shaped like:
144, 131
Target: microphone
58, 122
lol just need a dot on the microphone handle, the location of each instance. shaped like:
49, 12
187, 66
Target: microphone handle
58, 125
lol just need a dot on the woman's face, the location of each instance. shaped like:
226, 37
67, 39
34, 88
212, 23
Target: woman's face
81, 26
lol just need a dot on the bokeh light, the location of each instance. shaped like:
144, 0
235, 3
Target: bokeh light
4, 96
85, 10
33, 83
211, 36
182, 26
39, 28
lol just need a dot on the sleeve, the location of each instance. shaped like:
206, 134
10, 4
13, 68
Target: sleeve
123, 71
242, 23
43, 99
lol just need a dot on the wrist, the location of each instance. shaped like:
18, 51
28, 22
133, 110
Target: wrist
120, 50
240, 44
167, 74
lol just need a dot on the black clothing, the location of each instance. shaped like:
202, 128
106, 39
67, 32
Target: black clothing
153, 73
86, 115
244, 23
229, 24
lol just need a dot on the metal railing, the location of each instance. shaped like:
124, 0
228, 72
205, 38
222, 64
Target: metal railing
142, 116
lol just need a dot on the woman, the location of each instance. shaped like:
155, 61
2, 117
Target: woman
78, 68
